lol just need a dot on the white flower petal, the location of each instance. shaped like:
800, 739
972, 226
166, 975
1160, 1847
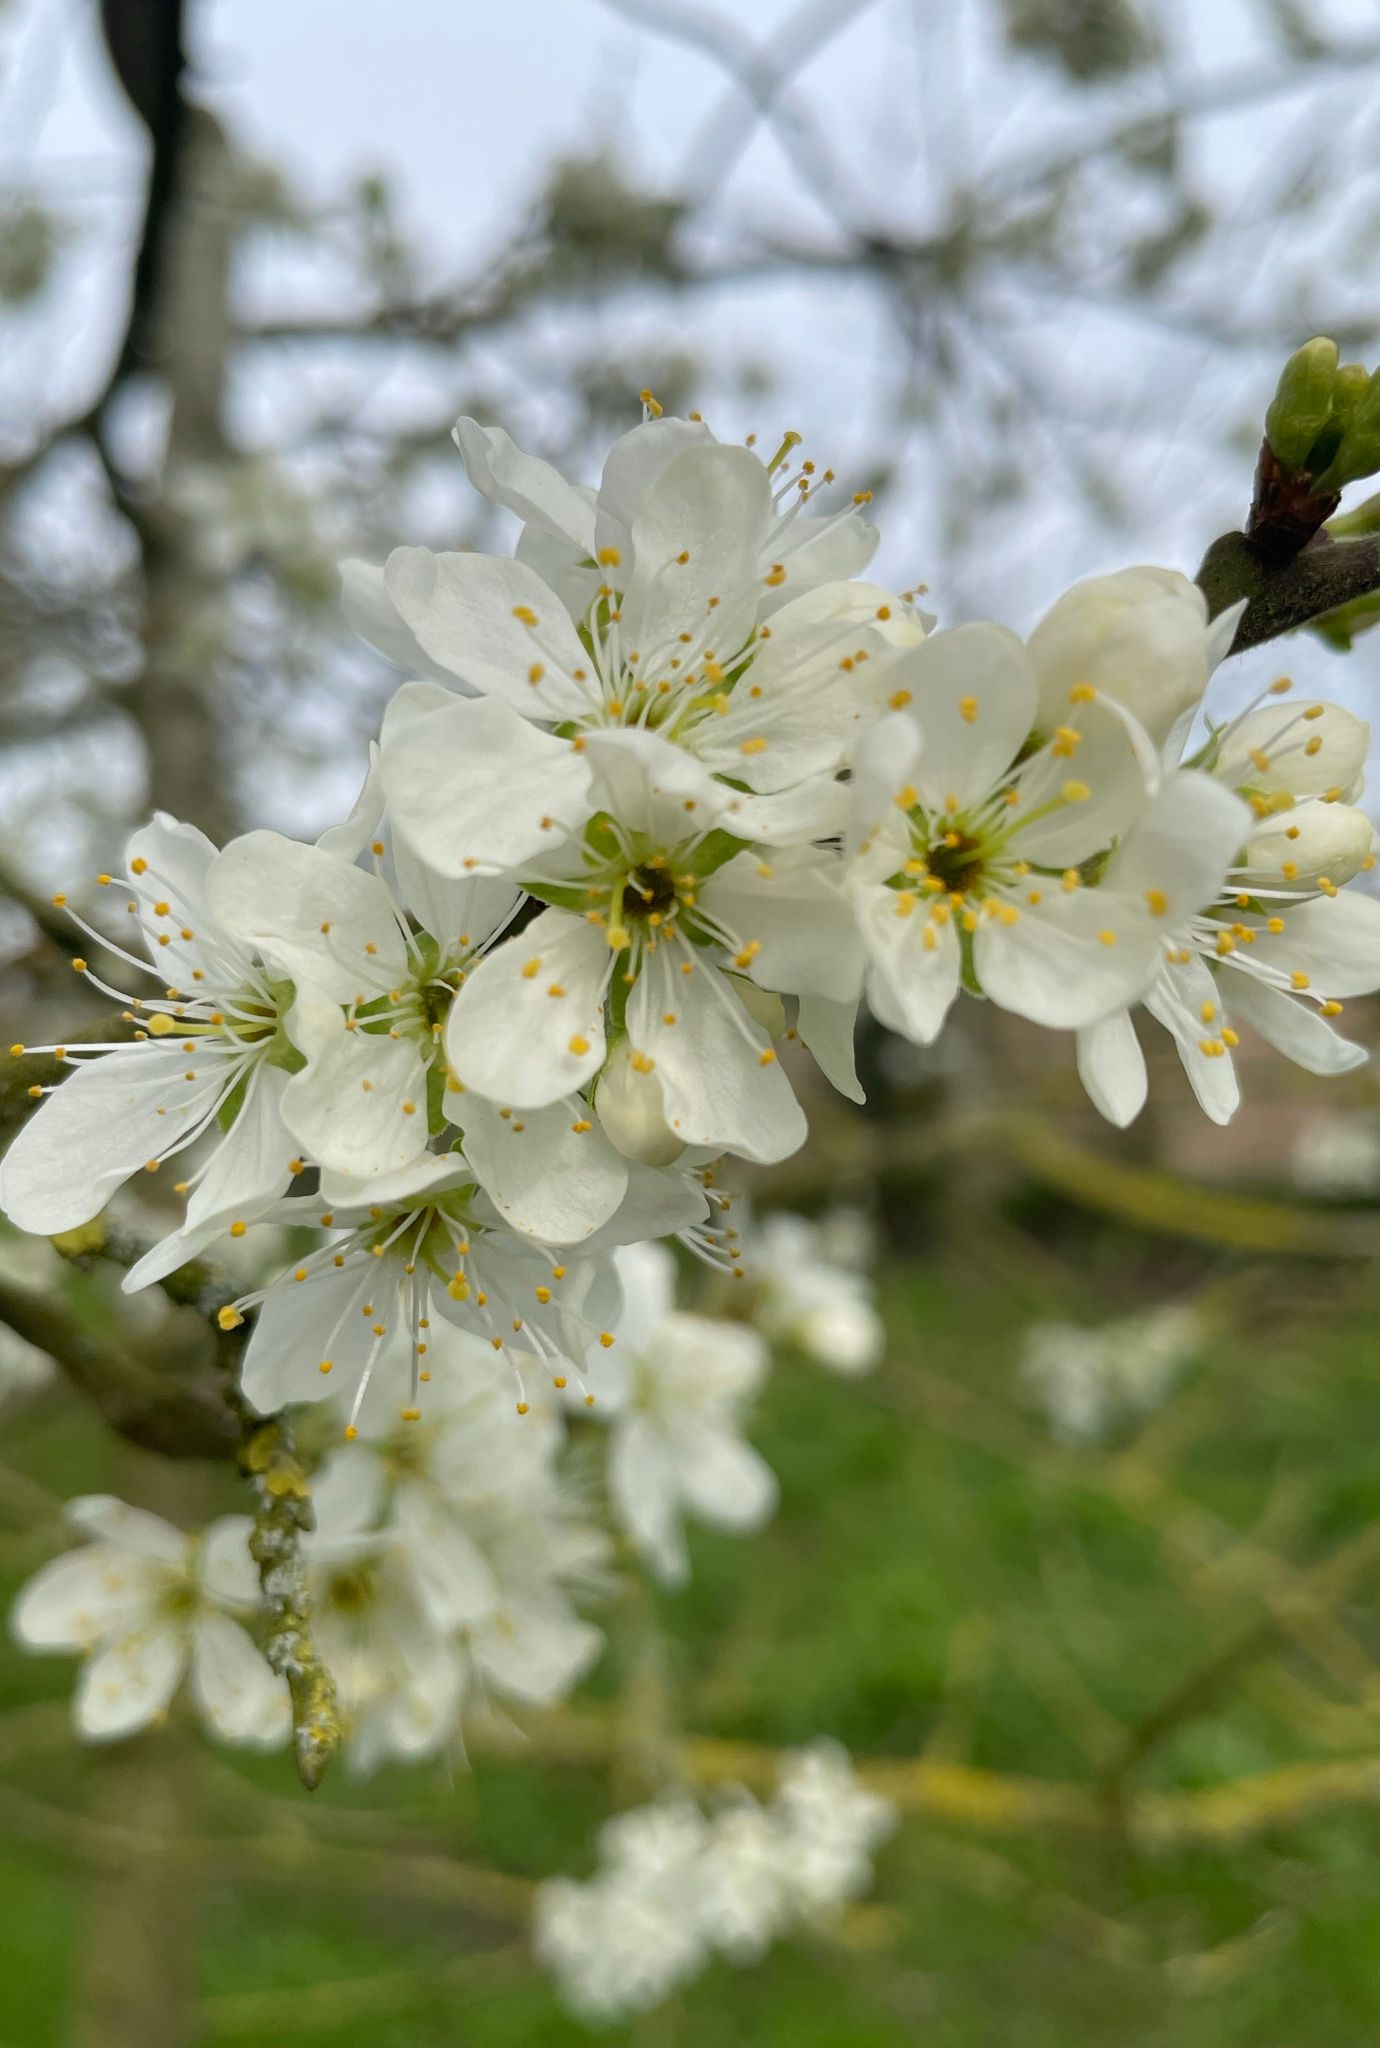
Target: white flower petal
108, 1118
545, 1177
973, 699
347, 1110
1334, 940
228, 1572
249, 1170
90, 1593
299, 1326
109, 1520
1292, 1027
1097, 795
914, 965
510, 1038
721, 1083
645, 1492
241, 1698
634, 464
696, 541
1071, 960
725, 1481
1111, 1067
794, 910
129, 1683
827, 1031
493, 622
456, 1581
317, 917
1178, 1001
1177, 854
472, 787
536, 1650
524, 484
374, 616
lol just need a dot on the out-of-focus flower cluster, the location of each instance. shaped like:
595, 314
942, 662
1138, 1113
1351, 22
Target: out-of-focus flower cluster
677, 1886
1091, 1380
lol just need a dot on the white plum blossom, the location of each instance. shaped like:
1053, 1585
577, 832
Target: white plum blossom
500, 1544
409, 1248
676, 1885
147, 1607
694, 598
977, 850
221, 1038
804, 1295
664, 929
397, 1673
674, 1393
1337, 1157
1282, 941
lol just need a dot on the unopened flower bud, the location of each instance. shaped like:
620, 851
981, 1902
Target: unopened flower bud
1139, 637
629, 1106
1302, 402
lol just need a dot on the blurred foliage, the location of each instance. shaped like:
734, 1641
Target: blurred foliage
1090, 38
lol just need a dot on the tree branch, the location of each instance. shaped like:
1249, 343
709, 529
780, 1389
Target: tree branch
1321, 576
178, 1414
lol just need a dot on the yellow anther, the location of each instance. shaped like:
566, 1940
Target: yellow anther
532, 969
229, 1318
968, 710
609, 558
651, 404
579, 1046
1331, 1008
1298, 979
606, 1338
139, 866
1107, 938
1076, 792
160, 1024
525, 614
756, 745
1082, 693
1156, 902
765, 1059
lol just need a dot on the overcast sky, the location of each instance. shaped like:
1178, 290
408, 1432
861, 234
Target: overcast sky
466, 106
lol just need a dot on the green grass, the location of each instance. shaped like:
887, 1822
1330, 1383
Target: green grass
941, 1575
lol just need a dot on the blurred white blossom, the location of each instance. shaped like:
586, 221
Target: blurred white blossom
807, 1289
147, 1606
676, 1886
1338, 1156
674, 1391
1089, 1380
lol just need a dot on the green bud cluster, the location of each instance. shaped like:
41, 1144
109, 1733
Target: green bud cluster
1324, 419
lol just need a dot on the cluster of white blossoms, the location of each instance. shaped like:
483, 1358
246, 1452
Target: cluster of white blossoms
667, 789
455, 1550
676, 1886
